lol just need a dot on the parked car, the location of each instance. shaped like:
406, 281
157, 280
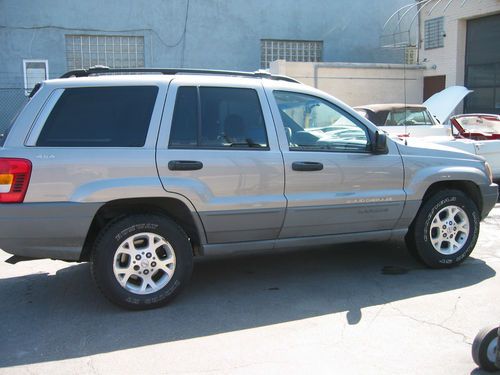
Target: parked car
474, 133
476, 126
402, 120
138, 174
478, 134
416, 120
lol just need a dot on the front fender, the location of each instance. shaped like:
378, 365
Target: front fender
418, 180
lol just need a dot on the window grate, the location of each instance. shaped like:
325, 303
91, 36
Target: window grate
434, 33
35, 71
290, 50
115, 51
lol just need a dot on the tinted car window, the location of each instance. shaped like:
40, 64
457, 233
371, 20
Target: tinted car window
100, 117
184, 131
230, 118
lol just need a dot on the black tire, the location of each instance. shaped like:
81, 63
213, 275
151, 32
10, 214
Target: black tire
114, 235
418, 239
482, 341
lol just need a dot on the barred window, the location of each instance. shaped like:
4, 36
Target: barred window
115, 51
35, 71
290, 50
434, 33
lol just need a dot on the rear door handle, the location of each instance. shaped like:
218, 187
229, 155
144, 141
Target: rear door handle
307, 166
184, 165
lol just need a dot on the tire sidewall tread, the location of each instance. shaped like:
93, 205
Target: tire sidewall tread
418, 240
114, 234
480, 346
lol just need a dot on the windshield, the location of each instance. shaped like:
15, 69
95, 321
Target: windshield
477, 124
408, 117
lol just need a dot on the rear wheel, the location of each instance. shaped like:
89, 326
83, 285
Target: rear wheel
141, 261
445, 230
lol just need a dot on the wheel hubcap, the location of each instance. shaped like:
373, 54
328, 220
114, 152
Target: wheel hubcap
144, 263
449, 230
491, 352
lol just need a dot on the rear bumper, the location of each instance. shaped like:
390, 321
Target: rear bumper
490, 198
46, 230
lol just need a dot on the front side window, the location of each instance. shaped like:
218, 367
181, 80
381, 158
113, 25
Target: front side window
313, 124
217, 117
100, 117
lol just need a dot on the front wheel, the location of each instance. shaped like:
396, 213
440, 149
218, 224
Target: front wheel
445, 230
141, 261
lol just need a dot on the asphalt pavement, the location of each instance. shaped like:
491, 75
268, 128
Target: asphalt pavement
365, 308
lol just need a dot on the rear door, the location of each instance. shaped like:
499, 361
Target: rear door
218, 148
334, 183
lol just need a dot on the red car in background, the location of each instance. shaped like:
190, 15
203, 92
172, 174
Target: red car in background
480, 127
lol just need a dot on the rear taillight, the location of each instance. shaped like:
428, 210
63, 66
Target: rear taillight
14, 179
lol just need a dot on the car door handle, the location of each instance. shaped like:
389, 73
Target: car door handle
184, 165
307, 166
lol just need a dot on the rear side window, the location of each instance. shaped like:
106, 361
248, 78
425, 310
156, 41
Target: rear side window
185, 121
100, 117
217, 117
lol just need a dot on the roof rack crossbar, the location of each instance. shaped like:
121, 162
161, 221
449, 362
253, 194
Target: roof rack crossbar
172, 71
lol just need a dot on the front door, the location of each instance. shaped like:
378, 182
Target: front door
334, 183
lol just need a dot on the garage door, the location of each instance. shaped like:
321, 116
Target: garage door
482, 63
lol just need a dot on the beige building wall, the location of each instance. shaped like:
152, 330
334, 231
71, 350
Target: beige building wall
358, 83
450, 59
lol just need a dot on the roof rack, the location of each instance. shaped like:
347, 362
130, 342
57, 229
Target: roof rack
171, 71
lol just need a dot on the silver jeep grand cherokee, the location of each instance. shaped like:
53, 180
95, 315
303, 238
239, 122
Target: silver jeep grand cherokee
140, 173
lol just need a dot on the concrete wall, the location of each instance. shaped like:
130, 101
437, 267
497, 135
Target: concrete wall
358, 84
450, 59
218, 33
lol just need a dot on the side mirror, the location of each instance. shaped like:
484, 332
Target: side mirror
380, 144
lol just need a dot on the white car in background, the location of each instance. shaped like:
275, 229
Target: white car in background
430, 122
416, 120
475, 133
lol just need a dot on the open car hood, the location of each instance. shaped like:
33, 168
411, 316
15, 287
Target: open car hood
443, 103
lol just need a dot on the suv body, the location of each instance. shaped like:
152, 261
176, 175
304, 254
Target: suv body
234, 163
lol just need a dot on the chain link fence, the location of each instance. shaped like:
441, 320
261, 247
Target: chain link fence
11, 102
